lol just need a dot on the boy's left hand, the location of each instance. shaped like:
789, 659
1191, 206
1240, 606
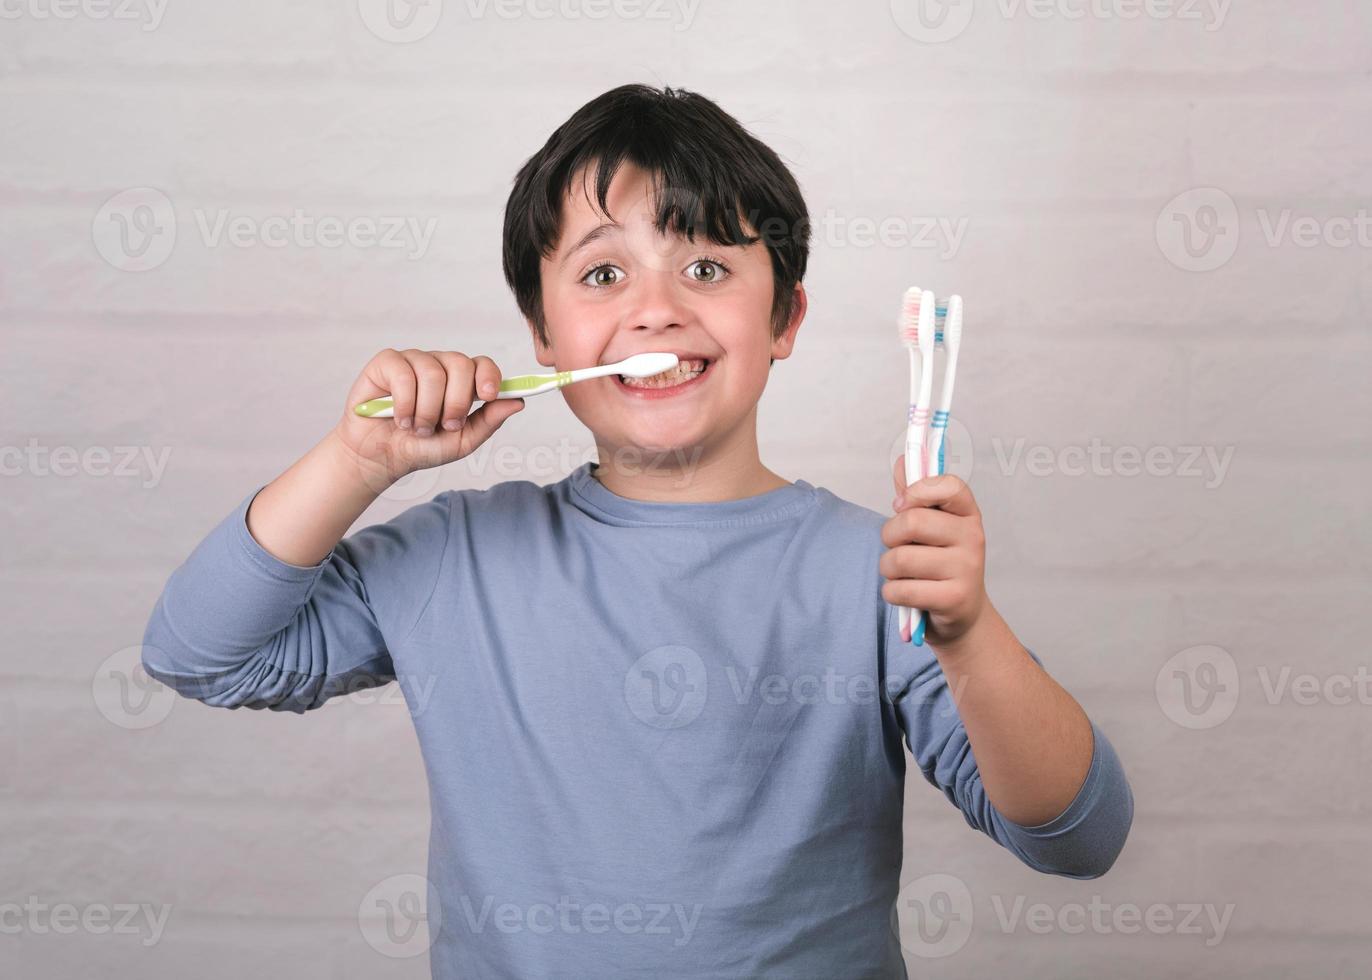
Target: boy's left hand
937, 554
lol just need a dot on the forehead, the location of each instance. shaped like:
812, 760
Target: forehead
630, 196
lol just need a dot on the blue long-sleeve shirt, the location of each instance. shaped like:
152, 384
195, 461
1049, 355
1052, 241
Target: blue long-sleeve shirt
662, 739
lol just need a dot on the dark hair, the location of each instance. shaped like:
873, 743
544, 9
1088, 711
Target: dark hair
707, 171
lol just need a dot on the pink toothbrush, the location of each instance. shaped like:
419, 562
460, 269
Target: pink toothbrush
916, 327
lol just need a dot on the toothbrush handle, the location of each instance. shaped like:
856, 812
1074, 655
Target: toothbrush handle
938, 434
912, 621
524, 385
937, 437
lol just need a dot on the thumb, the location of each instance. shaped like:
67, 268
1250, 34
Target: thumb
898, 476
445, 446
482, 423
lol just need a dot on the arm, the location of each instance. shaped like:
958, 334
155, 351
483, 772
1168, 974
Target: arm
1033, 742
272, 609
303, 513
238, 625
987, 724
1081, 837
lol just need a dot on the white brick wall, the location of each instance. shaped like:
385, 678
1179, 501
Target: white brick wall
1053, 145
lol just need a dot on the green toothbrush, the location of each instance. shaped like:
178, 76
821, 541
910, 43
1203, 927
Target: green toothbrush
524, 385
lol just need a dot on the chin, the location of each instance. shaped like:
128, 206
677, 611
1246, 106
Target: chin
662, 449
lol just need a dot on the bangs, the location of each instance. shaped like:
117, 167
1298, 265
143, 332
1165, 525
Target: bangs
688, 199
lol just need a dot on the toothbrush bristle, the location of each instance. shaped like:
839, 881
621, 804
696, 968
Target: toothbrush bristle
909, 316
952, 331
926, 332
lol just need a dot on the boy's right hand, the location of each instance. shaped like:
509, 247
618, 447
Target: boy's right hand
433, 391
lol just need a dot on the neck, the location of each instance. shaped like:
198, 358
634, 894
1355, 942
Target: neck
687, 474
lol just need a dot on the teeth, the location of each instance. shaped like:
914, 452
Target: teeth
683, 372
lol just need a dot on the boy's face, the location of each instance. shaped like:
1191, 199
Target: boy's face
629, 290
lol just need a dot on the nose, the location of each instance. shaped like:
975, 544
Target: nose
656, 301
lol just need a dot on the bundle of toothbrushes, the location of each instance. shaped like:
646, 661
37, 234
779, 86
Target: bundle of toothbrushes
926, 326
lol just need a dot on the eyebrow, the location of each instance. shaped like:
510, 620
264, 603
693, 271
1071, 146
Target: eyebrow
595, 234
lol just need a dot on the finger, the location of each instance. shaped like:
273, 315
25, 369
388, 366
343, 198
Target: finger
920, 593
398, 378
898, 475
921, 562
457, 395
946, 492
487, 378
431, 381
922, 525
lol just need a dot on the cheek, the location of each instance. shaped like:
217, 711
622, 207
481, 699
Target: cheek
558, 302
750, 312
570, 322
748, 328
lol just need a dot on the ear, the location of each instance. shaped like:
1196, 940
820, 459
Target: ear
782, 346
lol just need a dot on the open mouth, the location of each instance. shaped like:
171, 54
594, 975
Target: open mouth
684, 373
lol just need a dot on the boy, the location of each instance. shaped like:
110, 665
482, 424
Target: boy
665, 696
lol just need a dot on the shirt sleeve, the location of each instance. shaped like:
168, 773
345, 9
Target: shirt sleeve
1081, 842
237, 627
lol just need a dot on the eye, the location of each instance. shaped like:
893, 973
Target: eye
603, 275
706, 270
